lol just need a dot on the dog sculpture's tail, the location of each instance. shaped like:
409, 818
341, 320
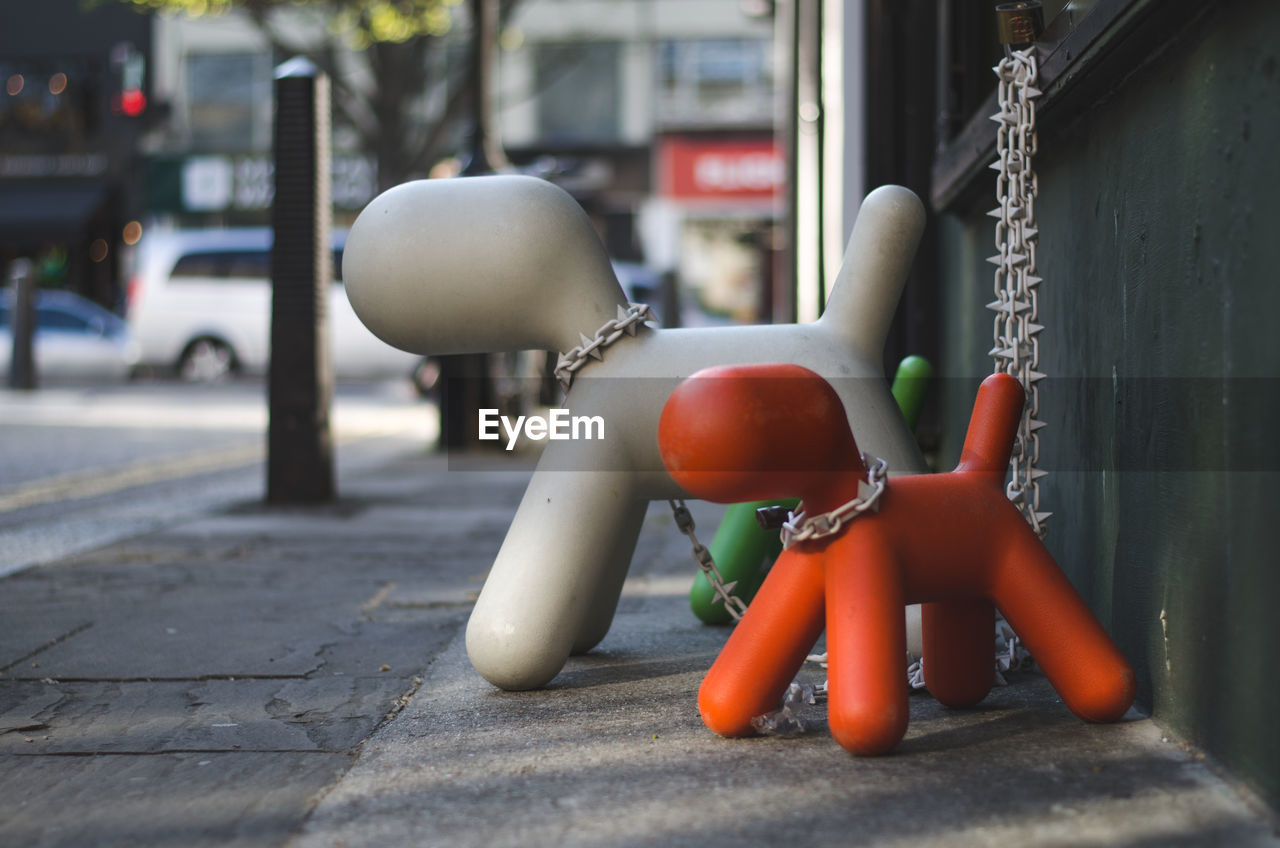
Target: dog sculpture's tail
478, 265
880, 249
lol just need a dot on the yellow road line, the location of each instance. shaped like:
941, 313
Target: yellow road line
88, 484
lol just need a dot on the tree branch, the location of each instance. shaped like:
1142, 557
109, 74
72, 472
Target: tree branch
349, 101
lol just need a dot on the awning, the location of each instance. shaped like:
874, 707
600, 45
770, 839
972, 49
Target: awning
37, 213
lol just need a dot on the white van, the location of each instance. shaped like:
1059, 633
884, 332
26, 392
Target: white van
199, 304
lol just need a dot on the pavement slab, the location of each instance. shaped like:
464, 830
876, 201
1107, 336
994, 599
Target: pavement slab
202, 683
193, 800
331, 713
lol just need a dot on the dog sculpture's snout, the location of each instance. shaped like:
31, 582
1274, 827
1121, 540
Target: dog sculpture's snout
769, 430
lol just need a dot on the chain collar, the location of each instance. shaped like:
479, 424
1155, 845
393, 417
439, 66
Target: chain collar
801, 528
629, 319
1016, 348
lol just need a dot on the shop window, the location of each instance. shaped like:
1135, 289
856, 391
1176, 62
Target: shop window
578, 92
725, 78
229, 101
49, 105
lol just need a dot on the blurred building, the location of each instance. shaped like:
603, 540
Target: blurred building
659, 117
76, 99
671, 121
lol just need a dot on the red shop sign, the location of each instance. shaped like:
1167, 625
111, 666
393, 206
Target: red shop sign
694, 169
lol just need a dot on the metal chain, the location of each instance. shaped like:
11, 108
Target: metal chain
801, 528
1016, 327
707, 563
798, 528
573, 361
1016, 347
1011, 655
627, 322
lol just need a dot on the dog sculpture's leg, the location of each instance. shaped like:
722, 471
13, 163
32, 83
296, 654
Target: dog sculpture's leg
612, 576
958, 636
1080, 660
562, 553
767, 647
866, 643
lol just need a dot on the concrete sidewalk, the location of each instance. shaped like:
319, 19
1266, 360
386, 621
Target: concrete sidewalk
268, 677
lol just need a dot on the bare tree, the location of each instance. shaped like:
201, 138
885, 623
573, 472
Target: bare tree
394, 85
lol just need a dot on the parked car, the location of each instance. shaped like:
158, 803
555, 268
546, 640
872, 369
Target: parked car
199, 303
73, 338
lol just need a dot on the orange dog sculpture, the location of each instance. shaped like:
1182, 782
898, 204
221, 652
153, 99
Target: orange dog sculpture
952, 541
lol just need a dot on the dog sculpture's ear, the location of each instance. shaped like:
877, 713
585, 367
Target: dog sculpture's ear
874, 269
478, 264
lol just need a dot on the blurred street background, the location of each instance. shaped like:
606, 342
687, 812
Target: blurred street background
721, 149
87, 464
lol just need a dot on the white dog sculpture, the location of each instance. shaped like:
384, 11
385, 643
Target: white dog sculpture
506, 263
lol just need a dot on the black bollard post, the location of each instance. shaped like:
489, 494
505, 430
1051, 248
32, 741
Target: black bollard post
22, 363
300, 377
670, 299
466, 384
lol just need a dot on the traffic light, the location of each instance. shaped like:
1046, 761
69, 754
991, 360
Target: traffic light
130, 69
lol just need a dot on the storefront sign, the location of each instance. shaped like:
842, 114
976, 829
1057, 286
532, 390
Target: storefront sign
54, 165
706, 169
245, 183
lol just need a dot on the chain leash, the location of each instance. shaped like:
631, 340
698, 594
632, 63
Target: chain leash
1016, 348
571, 362
1016, 328
706, 562
798, 527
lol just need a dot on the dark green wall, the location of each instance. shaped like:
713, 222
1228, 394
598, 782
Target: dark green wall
1159, 216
